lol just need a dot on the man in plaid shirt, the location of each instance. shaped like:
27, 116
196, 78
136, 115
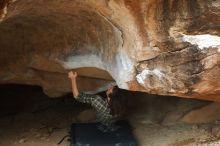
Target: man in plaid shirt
103, 112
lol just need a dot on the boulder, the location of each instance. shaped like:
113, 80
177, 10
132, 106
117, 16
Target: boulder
162, 47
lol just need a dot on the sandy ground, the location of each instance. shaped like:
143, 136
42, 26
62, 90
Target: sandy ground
176, 135
46, 122
48, 127
44, 128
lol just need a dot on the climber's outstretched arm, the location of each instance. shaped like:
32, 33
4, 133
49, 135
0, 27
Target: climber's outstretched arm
73, 75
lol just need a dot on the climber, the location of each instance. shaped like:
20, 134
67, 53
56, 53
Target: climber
108, 109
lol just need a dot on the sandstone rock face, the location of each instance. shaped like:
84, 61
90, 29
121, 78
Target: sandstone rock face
164, 47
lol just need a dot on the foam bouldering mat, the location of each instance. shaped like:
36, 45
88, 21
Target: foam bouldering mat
88, 134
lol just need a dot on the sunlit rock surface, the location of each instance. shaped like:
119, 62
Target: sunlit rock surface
163, 47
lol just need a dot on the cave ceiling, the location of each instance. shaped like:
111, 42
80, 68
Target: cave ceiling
165, 47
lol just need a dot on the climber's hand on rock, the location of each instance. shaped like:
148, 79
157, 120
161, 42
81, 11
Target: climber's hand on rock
72, 75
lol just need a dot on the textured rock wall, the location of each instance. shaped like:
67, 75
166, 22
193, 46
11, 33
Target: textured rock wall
166, 47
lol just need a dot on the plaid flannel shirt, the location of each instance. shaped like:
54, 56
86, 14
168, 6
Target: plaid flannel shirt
100, 105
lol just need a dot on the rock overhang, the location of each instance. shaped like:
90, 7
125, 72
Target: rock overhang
150, 46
